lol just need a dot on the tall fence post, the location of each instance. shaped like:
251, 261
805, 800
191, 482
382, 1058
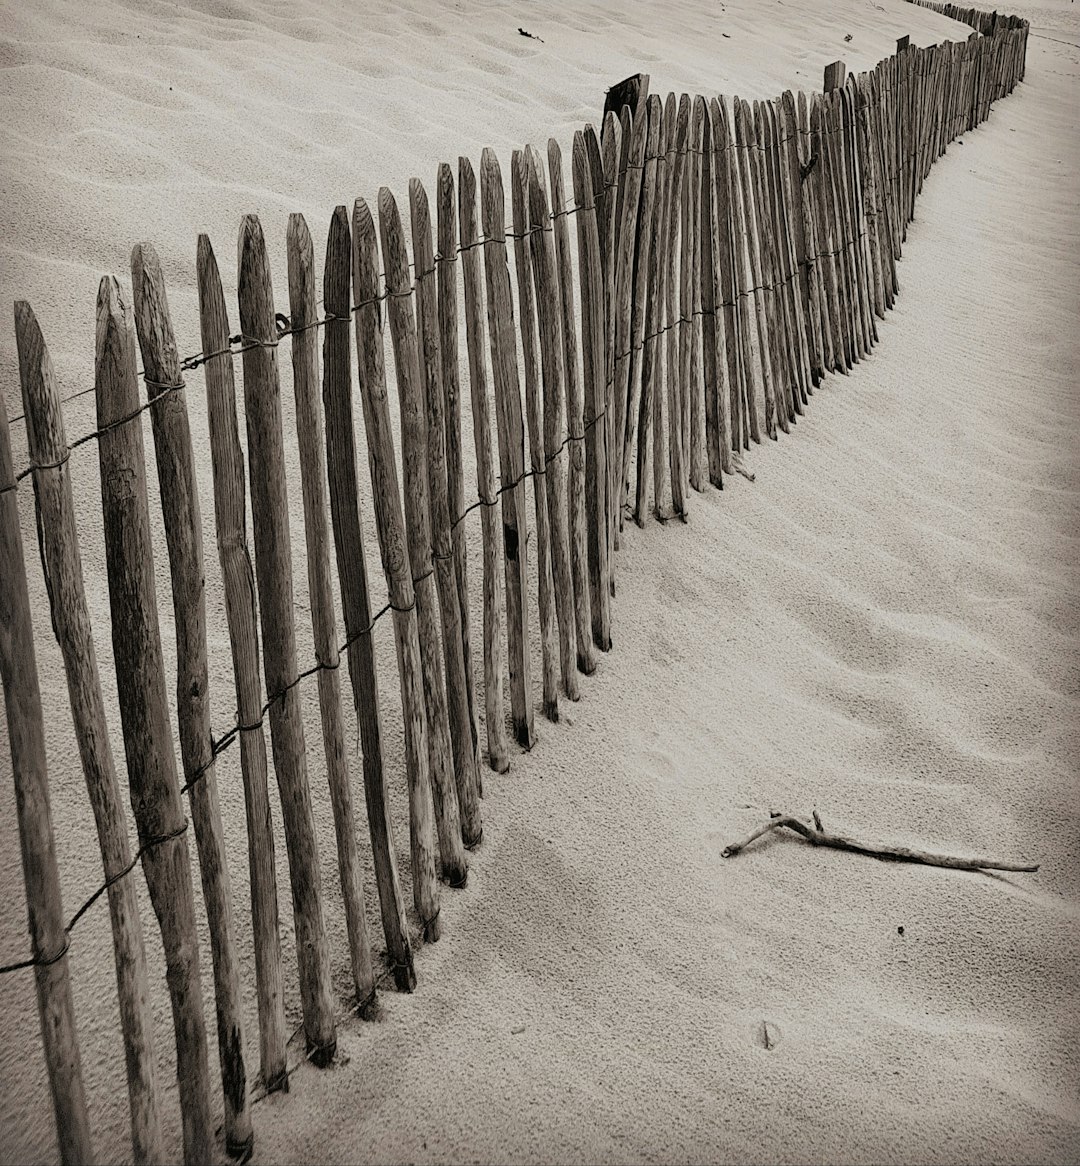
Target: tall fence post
47, 444
144, 707
456, 693
309, 427
26, 737
338, 302
414, 453
273, 572
526, 316
446, 237
504, 372
575, 410
231, 519
183, 536
498, 757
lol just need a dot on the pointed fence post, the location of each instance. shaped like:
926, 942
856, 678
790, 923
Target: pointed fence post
144, 705
62, 562
26, 736
273, 572
183, 536
309, 427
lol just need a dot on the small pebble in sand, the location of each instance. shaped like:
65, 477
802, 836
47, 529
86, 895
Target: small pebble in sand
900, 930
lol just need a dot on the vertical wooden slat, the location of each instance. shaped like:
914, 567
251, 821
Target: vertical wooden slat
575, 409
144, 706
62, 562
667, 340
774, 291
742, 275
654, 305
730, 273
632, 241
504, 371
183, 536
694, 413
679, 317
456, 693
592, 353
712, 320
643, 225
609, 175
549, 320
26, 739
498, 756
526, 318
273, 572
455, 474
230, 513
746, 154
309, 427
414, 454
801, 236
362, 303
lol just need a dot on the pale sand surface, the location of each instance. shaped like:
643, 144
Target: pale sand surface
884, 626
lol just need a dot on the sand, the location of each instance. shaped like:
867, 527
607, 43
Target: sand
884, 625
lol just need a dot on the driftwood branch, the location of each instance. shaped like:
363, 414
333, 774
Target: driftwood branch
818, 836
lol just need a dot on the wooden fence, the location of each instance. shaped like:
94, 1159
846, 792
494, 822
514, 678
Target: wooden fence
728, 256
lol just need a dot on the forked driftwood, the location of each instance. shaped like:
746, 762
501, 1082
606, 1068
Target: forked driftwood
818, 836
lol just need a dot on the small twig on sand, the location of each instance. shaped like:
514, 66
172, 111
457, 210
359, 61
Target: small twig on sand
817, 836
531, 35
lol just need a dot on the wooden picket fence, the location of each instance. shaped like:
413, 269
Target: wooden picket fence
728, 256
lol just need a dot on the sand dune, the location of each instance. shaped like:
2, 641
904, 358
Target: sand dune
884, 625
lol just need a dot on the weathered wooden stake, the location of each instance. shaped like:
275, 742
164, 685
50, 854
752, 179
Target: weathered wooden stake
414, 453
433, 458
498, 756
230, 510
183, 536
590, 275
309, 427
144, 706
273, 571
504, 371
549, 319
62, 562
575, 408
451, 382
44, 907
355, 599
549, 636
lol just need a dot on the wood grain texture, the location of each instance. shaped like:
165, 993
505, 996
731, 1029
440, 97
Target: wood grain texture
273, 572
678, 323
534, 410
352, 573
694, 412
504, 372
183, 537
592, 364
62, 564
713, 438
650, 114
446, 276
456, 741
726, 280
41, 877
309, 428
497, 747
414, 454
556, 456
575, 410
144, 705
230, 511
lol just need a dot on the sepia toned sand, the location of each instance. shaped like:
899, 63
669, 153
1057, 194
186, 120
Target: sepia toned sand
883, 626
